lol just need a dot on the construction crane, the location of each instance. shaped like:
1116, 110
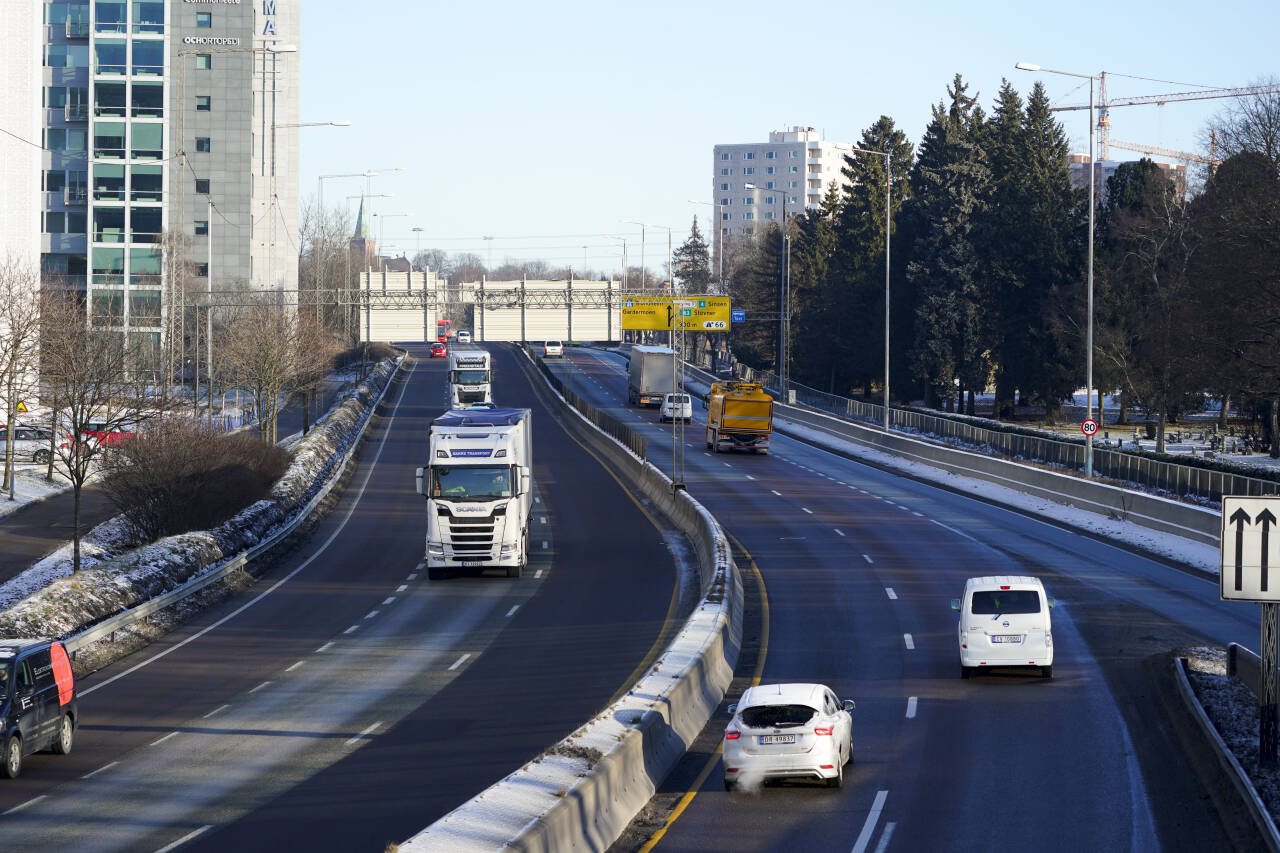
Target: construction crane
1185, 156
1104, 107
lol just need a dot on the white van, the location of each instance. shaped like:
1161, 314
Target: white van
553, 349
676, 406
464, 337
1004, 621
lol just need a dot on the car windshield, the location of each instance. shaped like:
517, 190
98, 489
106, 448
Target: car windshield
1006, 601
776, 716
470, 377
470, 482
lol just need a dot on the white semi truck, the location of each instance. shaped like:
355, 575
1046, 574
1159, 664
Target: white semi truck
478, 485
470, 378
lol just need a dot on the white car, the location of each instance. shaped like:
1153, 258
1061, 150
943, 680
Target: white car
788, 731
464, 337
30, 444
553, 349
676, 406
1004, 621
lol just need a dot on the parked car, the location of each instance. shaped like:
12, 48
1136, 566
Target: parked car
1004, 621
30, 444
788, 731
108, 434
553, 349
676, 406
37, 701
438, 350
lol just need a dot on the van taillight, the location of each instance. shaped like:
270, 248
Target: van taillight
823, 730
732, 734
1004, 587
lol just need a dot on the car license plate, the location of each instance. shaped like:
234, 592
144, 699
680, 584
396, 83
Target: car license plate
765, 739
1006, 638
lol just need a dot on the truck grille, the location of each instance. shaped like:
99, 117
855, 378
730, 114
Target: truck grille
470, 396
471, 535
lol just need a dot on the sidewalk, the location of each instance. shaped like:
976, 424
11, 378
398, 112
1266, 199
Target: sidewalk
39, 528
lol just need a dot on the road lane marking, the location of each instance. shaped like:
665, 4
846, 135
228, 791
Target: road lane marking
93, 773
957, 532
459, 662
911, 707
545, 544
776, 492
513, 610
867, 557
838, 531
352, 629
910, 643
893, 596
749, 477
537, 574
419, 567
325, 647
215, 711
542, 519
260, 686
163, 739
295, 666
537, 500
371, 614
885, 836
29, 802
402, 587
413, 577
390, 599
869, 828
806, 509
370, 730
184, 839
917, 515
705, 453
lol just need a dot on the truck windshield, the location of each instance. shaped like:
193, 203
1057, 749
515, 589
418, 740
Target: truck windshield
470, 482
470, 377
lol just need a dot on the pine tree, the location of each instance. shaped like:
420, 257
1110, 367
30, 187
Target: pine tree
693, 262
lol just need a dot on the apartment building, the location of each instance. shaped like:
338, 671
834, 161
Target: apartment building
753, 181
1078, 167
170, 137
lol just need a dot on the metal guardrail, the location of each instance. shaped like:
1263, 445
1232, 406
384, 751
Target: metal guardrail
125, 618
634, 442
1171, 477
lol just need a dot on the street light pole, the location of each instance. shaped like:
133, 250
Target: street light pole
1088, 388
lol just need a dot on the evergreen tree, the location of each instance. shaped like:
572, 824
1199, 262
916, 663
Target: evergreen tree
949, 183
693, 262
754, 286
815, 338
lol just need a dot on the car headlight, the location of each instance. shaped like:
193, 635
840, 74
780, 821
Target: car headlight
435, 548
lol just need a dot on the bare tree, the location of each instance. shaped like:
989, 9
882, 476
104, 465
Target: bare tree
1249, 124
19, 336
90, 378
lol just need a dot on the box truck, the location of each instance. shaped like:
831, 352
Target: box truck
651, 375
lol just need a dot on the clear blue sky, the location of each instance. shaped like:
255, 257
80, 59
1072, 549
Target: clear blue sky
539, 120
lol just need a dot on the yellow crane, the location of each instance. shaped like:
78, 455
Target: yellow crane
1104, 111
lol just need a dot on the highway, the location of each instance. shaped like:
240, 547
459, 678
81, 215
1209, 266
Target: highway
345, 701
860, 566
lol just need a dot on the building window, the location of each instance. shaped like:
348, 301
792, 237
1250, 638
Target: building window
204, 20
202, 270
768, 185
748, 200
726, 171
202, 227
726, 156
769, 170
725, 217
748, 215
750, 170
202, 186
148, 16
54, 223
771, 155
76, 224
726, 201
768, 214
203, 144
791, 155
204, 103
204, 61
724, 187
768, 199
793, 184
794, 169
750, 155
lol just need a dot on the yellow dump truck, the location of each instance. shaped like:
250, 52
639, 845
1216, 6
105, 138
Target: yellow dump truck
739, 416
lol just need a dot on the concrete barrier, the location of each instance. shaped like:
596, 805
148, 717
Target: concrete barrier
583, 792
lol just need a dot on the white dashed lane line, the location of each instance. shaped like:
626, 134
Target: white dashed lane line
869, 827
260, 686
893, 596
776, 492
215, 711
184, 839
513, 610
908, 642
806, 509
867, 557
295, 666
911, 708
93, 773
325, 647
29, 802
537, 574
364, 734
749, 477
352, 629
459, 662
402, 587
838, 531
388, 600
413, 577
163, 739
371, 614
420, 567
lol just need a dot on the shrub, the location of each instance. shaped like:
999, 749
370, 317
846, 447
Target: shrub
180, 476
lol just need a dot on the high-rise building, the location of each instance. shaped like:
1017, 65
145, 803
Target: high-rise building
170, 130
795, 163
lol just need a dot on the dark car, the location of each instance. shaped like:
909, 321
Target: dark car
37, 701
438, 350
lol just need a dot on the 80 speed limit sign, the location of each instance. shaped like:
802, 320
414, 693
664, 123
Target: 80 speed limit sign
1089, 427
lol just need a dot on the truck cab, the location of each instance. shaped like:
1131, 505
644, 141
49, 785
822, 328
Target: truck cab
478, 486
470, 378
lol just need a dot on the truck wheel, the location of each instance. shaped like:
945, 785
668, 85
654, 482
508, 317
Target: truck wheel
513, 571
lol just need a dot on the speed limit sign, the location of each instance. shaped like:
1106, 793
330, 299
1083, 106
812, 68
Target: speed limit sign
1089, 427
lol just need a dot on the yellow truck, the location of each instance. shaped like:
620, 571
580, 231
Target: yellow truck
739, 416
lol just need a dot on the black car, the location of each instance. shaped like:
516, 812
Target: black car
37, 701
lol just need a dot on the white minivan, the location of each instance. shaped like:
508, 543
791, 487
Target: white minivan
1004, 621
553, 349
464, 337
676, 406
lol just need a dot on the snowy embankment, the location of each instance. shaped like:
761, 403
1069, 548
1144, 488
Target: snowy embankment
49, 600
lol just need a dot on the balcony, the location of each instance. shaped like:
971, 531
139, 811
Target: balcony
75, 196
75, 112
77, 29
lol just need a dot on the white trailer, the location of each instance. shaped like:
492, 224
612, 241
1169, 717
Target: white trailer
651, 375
470, 378
478, 485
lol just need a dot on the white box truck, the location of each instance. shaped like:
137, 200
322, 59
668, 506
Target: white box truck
651, 376
470, 378
478, 484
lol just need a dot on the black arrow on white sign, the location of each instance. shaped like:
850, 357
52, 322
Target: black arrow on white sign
1266, 519
1239, 518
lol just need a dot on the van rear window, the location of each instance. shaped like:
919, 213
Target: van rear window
1006, 601
778, 716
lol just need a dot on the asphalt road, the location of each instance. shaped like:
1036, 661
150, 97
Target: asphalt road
859, 567
345, 701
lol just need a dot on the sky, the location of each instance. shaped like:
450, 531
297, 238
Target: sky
544, 126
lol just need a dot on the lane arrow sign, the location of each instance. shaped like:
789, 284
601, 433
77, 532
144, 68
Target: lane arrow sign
1239, 518
1266, 519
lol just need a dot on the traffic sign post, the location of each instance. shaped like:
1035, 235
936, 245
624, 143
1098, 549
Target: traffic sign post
1248, 551
1089, 427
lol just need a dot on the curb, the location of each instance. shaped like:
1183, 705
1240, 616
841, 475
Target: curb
1248, 794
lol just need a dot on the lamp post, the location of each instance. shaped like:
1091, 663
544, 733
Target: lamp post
1088, 439
272, 202
888, 229
784, 298
321, 179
